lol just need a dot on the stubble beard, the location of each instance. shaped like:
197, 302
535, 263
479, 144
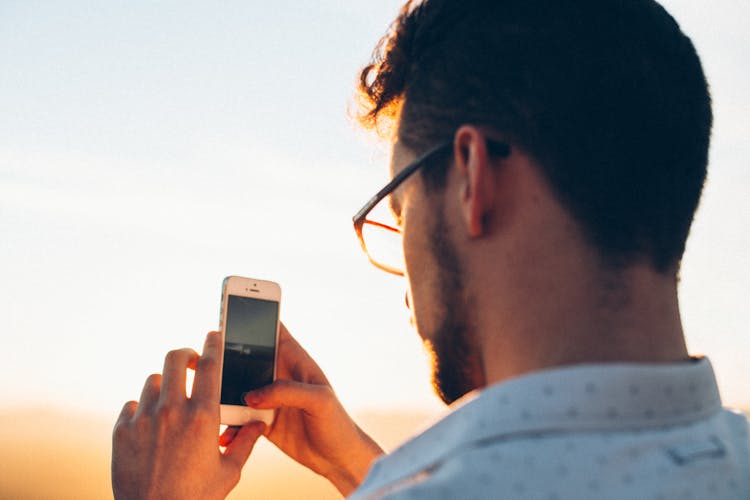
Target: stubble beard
456, 362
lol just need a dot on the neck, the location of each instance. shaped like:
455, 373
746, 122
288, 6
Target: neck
539, 295
557, 308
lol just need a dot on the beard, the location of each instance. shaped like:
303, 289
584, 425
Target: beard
457, 366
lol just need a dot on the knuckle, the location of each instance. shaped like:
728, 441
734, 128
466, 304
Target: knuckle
128, 409
234, 469
165, 414
177, 357
120, 432
206, 363
326, 393
122, 425
153, 380
214, 338
327, 398
203, 412
234, 474
140, 426
171, 356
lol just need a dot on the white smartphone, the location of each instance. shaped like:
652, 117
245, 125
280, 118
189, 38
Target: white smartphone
250, 331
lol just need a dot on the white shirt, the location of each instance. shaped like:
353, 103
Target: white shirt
599, 431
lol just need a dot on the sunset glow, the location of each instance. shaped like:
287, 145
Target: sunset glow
147, 151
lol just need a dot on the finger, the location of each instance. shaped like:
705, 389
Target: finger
175, 375
150, 393
127, 412
228, 435
120, 431
287, 393
295, 362
239, 450
208, 371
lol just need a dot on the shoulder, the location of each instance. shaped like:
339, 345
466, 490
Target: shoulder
708, 457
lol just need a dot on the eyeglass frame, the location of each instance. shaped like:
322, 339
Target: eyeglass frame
495, 147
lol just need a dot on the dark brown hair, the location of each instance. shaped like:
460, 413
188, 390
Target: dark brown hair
608, 95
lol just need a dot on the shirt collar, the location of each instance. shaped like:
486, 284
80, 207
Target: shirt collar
605, 397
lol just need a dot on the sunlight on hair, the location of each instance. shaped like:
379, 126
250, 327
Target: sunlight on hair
384, 123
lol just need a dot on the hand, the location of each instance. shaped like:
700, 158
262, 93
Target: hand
166, 446
311, 426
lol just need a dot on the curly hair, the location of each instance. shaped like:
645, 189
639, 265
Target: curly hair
608, 96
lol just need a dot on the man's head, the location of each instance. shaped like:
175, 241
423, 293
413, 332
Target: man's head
606, 97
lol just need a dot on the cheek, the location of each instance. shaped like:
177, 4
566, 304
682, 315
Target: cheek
421, 273
415, 263
415, 239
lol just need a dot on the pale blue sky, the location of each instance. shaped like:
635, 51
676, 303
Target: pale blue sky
148, 149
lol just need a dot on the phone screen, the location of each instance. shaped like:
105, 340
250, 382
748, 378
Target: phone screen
249, 346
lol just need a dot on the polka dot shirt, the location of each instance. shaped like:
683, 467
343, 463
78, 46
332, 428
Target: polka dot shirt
614, 431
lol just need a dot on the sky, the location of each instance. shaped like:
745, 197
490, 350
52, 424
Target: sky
148, 149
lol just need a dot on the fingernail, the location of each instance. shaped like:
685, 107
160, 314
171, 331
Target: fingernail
251, 398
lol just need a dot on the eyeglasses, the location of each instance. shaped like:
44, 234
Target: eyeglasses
378, 233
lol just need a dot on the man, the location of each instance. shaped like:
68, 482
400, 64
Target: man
547, 160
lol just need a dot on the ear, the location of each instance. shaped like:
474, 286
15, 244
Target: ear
477, 189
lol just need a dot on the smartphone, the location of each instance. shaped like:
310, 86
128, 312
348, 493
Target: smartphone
249, 321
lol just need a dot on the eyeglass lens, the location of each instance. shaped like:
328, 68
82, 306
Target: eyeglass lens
383, 243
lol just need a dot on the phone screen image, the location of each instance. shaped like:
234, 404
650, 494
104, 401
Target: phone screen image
249, 347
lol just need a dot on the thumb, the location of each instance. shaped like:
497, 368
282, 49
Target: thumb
239, 449
288, 393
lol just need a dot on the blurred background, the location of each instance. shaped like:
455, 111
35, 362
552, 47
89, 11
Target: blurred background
148, 149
